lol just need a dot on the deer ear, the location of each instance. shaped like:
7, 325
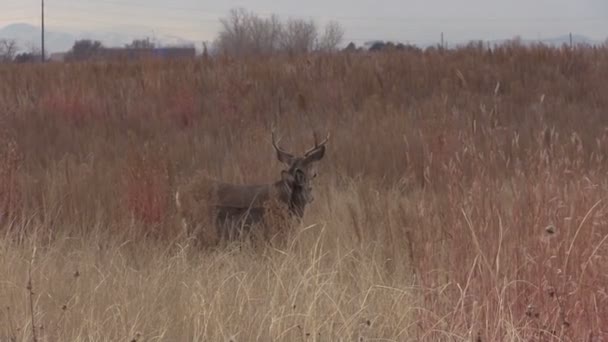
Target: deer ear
315, 155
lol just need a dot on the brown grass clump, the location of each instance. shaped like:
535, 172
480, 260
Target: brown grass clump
462, 197
146, 188
195, 200
10, 191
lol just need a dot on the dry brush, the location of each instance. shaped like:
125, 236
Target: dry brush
462, 197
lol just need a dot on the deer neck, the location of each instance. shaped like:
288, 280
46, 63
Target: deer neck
297, 203
293, 197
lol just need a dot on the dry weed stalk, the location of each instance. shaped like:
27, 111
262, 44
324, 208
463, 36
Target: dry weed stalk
30, 289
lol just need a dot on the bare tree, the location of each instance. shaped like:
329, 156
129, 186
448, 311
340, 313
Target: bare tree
26, 57
244, 33
232, 39
332, 37
299, 36
264, 34
8, 50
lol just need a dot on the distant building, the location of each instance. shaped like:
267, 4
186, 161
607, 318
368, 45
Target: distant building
57, 57
139, 53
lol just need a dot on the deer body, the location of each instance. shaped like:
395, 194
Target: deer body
233, 208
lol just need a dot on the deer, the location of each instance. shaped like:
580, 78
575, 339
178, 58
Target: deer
233, 209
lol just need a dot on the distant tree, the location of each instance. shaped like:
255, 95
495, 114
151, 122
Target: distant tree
264, 34
244, 33
84, 49
233, 38
515, 42
351, 47
478, 45
299, 36
409, 48
141, 44
8, 50
205, 51
27, 57
32, 54
332, 37
377, 46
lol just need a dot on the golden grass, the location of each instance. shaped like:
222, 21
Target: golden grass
462, 198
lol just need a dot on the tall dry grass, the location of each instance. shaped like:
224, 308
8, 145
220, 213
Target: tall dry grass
462, 198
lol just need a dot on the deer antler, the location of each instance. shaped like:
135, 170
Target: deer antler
282, 155
274, 141
317, 145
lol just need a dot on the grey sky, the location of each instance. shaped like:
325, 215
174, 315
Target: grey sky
405, 20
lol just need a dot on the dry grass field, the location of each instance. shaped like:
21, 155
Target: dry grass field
462, 198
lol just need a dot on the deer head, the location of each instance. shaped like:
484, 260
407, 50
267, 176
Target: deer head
299, 174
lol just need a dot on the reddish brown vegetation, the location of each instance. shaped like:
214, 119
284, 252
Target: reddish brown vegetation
478, 177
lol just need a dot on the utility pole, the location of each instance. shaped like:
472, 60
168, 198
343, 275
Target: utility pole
42, 34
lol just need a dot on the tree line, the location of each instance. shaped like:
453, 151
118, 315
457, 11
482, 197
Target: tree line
242, 33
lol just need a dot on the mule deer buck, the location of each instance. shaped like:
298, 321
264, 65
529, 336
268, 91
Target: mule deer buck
212, 210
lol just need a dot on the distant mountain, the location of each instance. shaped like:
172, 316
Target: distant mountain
28, 37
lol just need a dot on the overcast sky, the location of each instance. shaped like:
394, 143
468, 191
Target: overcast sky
402, 20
